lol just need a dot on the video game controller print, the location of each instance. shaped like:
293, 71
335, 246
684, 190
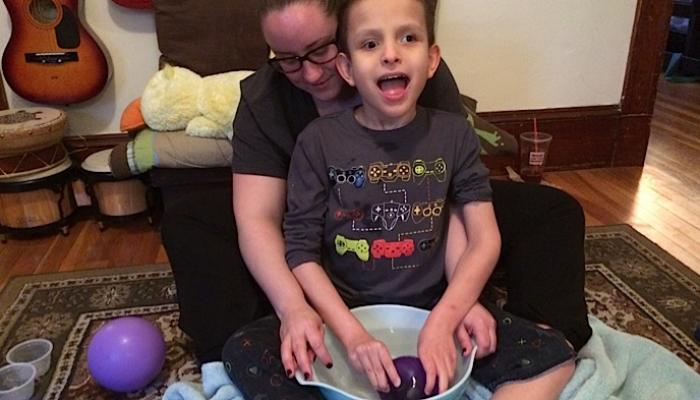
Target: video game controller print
426, 209
354, 176
380, 172
358, 246
382, 248
354, 214
426, 244
423, 169
389, 213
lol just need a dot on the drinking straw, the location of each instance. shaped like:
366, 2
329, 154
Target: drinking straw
534, 123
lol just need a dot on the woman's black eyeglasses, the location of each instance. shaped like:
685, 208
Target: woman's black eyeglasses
320, 55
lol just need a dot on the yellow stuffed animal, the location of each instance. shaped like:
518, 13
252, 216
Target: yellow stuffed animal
176, 98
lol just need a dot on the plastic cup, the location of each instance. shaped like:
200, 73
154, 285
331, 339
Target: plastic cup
17, 381
33, 351
534, 148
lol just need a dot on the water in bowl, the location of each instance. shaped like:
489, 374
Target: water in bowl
399, 341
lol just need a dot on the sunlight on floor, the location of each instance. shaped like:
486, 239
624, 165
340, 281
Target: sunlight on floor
646, 197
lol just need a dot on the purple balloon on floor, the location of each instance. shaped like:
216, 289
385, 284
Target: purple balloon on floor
412, 375
126, 354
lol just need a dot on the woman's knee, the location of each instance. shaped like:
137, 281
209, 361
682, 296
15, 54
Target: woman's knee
565, 206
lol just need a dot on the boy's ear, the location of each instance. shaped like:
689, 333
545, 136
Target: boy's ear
344, 66
433, 59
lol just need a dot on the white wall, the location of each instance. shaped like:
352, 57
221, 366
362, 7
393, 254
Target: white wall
508, 54
535, 54
129, 38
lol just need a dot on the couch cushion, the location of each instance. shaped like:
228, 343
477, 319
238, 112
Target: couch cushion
210, 36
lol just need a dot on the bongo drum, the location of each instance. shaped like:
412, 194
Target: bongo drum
112, 197
37, 200
30, 141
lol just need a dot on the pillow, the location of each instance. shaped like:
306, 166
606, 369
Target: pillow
494, 141
210, 37
132, 119
151, 149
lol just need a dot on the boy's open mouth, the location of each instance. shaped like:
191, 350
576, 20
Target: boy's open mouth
393, 84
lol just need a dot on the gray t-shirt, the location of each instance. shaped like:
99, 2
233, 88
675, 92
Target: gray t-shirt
372, 206
273, 112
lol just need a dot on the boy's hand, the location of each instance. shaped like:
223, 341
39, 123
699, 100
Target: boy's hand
436, 350
480, 325
301, 335
371, 356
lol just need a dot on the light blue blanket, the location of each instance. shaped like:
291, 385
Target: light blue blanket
615, 365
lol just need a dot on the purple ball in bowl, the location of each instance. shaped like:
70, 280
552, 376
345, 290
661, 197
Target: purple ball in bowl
412, 376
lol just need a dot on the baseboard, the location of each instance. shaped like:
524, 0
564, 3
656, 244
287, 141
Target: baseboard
80, 147
584, 137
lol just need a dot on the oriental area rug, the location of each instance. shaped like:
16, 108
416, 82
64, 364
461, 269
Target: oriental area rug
631, 285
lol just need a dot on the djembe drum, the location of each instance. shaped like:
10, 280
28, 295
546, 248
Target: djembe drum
35, 171
30, 141
111, 197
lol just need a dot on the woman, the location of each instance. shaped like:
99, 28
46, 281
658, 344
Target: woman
541, 228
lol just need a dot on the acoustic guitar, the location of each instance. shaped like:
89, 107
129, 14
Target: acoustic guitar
50, 57
136, 4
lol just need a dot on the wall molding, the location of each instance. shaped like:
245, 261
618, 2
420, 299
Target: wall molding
79, 147
584, 137
604, 136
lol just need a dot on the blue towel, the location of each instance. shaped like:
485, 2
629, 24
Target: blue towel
216, 385
615, 365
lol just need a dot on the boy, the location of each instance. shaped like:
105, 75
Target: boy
368, 191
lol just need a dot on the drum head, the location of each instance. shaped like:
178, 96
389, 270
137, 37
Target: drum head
32, 162
57, 169
98, 162
28, 129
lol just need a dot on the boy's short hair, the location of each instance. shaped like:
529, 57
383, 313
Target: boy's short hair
344, 8
267, 6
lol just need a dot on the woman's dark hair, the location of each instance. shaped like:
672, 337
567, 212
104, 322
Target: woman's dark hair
344, 8
267, 6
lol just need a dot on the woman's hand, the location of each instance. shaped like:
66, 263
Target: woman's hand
301, 335
480, 325
371, 356
436, 350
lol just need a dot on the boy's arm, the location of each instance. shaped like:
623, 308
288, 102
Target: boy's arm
478, 325
474, 267
364, 352
436, 348
470, 188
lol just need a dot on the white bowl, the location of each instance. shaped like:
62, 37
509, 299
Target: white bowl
17, 381
398, 327
33, 351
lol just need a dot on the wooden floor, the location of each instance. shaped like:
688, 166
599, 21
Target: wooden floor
661, 200
128, 243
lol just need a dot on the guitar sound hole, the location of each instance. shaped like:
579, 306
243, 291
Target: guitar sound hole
44, 12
